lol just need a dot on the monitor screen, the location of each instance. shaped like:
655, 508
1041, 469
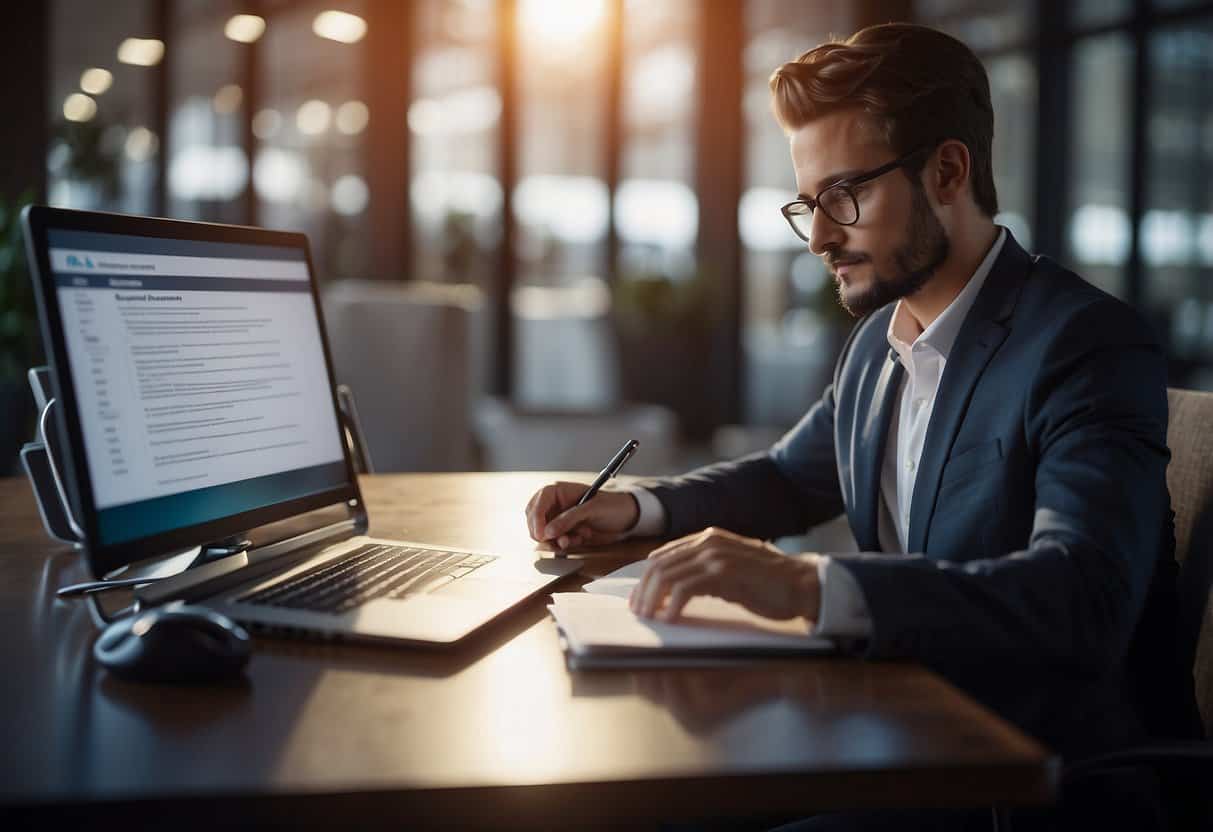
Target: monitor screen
199, 375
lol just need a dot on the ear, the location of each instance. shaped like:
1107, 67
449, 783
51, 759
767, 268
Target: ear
948, 171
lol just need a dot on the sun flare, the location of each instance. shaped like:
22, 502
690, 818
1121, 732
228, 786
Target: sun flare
560, 21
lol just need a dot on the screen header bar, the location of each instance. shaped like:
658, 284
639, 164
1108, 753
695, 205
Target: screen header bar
83, 261
135, 244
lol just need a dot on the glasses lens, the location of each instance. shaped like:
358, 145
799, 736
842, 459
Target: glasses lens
800, 216
839, 204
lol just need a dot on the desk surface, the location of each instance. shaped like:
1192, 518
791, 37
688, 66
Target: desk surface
495, 733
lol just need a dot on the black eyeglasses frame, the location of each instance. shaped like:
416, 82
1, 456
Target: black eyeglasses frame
846, 185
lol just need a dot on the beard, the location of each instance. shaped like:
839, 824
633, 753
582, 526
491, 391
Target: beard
925, 249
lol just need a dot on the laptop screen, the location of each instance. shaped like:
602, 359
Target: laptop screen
200, 378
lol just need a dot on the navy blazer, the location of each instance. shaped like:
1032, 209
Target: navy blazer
1040, 521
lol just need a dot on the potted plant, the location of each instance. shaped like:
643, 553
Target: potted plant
87, 158
20, 345
666, 329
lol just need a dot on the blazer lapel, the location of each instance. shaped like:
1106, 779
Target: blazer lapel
875, 433
979, 338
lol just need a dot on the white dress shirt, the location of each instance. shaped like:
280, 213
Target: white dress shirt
923, 355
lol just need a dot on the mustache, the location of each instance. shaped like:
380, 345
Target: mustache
843, 258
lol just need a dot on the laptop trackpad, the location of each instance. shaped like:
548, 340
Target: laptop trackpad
473, 589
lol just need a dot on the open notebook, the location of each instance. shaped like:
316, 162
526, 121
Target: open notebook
598, 629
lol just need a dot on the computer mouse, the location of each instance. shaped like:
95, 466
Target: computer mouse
174, 644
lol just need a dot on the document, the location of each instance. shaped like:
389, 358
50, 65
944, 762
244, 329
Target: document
193, 372
599, 630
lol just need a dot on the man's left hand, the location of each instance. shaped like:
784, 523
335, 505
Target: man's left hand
718, 562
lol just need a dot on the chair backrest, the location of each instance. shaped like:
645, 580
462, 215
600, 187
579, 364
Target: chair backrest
517, 439
565, 347
1190, 481
408, 352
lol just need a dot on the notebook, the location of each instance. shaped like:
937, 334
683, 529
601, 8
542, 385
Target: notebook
598, 630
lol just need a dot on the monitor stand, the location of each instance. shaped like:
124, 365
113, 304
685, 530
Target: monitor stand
161, 567
172, 564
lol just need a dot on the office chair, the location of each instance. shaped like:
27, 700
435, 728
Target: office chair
408, 350
1190, 481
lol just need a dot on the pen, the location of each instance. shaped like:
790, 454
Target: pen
612, 468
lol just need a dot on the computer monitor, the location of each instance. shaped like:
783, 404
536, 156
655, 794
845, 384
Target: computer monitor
196, 387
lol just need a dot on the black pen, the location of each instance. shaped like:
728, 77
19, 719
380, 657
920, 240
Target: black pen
612, 468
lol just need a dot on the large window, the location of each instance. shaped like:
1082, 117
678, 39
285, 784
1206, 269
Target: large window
1013, 84
792, 324
1002, 34
1141, 154
656, 208
1098, 229
104, 63
560, 200
594, 119
308, 168
660, 286
1086, 13
1176, 228
208, 169
561, 205
985, 25
454, 121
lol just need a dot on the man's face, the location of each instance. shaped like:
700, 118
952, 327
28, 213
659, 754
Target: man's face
898, 241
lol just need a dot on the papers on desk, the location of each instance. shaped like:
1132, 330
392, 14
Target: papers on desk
598, 630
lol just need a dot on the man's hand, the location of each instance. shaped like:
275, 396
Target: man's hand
553, 516
717, 562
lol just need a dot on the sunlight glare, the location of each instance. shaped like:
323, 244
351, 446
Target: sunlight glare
79, 107
560, 21
141, 51
342, 27
244, 28
95, 80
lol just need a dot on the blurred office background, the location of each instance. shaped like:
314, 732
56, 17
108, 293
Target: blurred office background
544, 226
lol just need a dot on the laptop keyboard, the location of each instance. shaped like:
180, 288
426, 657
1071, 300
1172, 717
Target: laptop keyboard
374, 570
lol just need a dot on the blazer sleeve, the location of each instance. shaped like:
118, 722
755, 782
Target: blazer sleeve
1095, 421
769, 494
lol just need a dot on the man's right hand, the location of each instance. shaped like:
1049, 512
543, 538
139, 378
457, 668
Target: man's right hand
553, 516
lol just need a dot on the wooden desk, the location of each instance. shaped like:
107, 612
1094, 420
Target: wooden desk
497, 733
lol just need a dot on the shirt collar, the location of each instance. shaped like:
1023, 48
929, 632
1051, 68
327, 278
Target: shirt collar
942, 332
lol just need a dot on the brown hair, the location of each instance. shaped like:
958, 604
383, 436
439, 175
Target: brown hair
918, 84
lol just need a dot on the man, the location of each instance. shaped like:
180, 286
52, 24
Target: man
995, 430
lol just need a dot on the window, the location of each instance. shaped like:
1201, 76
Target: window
208, 169
1098, 229
1176, 227
792, 323
560, 200
561, 204
1013, 93
103, 144
605, 182
985, 25
307, 169
1086, 13
656, 208
454, 121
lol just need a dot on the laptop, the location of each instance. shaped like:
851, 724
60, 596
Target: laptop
195, 400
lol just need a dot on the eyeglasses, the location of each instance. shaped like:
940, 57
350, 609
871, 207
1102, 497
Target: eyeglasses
838, 200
